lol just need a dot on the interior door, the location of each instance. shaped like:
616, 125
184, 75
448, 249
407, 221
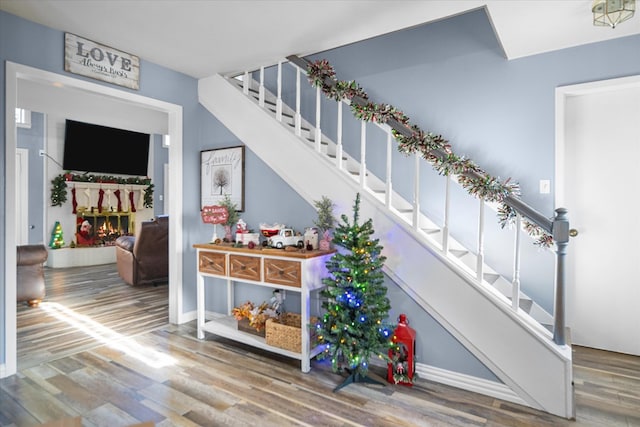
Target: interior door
22, 196
602, 192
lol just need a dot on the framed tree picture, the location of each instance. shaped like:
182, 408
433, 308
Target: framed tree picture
221, 175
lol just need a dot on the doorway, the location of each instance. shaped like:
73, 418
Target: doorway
597, 163
18, 77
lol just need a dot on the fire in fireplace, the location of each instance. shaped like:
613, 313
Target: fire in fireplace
102, 229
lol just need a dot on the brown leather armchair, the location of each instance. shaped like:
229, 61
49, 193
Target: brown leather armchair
30, 273
145, 258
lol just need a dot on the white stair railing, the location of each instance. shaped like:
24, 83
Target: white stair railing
396, 204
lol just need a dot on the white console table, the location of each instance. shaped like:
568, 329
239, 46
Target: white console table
300, 272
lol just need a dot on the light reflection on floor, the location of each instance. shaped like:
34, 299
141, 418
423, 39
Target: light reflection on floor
108, 336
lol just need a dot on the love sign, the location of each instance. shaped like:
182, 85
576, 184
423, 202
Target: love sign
214, 214
91, 59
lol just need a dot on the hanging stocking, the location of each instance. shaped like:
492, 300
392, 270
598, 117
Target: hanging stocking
109, 206
117, 193
100, 199
87, 193
74, 202
131, 203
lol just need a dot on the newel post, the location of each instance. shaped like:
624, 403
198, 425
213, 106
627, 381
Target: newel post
561, 237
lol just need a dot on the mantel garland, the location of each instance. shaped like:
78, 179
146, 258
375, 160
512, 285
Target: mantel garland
59, 185
433, 148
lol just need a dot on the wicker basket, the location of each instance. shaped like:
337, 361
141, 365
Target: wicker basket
286, 333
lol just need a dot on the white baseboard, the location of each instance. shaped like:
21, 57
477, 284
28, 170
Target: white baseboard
463, 381
431, 373
3, 370
469, 383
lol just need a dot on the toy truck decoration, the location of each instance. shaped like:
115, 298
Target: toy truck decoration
286, 237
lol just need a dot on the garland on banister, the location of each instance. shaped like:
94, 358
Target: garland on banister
433, 148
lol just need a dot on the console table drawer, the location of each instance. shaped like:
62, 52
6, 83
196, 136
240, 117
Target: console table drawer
212, 263
282, 272
244, 267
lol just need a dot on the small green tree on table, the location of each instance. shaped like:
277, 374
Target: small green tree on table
57, 241
354, 327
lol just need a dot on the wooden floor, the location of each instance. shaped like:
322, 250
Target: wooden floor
165, 375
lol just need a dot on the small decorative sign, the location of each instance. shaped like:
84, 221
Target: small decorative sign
214, 214
91, 59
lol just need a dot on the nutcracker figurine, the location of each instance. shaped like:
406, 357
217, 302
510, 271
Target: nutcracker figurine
402, 354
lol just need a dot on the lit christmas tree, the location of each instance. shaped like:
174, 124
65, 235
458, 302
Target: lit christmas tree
354, 327
57, 241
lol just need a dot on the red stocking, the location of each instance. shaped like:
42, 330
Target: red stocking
100, 199
133, 206
74, 203
117, 193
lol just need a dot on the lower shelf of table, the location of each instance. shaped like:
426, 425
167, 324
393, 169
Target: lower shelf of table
227, 327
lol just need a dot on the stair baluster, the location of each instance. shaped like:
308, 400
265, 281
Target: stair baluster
515, 290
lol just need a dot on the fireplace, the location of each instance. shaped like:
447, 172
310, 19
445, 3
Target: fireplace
102, 228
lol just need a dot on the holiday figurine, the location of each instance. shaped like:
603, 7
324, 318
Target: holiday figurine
57, 241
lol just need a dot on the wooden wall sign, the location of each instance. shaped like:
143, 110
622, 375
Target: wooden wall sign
214, 214
91, 59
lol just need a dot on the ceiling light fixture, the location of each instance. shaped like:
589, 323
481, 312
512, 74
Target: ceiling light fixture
612, 12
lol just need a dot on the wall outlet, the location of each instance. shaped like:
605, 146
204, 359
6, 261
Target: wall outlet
41, 153
545, 186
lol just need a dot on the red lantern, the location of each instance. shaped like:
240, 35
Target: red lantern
402, 354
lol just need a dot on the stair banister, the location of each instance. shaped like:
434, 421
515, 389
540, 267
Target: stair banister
339, 138
515, 290
279, 96
416, 192
298, 117
480, 256
318, 135
363, 154
389, 186
561, 237
261, 89
447, 209
518, 205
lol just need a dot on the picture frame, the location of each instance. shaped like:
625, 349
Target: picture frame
221, 175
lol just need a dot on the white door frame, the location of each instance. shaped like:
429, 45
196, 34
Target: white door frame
562, 94
22, 196
13, 74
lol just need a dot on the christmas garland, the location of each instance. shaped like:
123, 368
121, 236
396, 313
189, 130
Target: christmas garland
433, 148
59, 185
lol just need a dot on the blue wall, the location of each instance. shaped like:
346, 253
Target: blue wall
449, 77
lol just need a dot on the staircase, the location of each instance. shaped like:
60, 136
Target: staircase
487, 313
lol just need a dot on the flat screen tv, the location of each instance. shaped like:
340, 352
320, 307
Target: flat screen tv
101, 149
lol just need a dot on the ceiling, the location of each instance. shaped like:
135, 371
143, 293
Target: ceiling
204, 37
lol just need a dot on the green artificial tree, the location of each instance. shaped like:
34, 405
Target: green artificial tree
325, 221
354, 328
57, 241
232, 217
